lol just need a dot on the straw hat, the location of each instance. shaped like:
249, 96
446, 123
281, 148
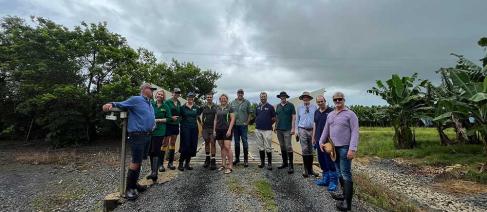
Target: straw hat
330, 149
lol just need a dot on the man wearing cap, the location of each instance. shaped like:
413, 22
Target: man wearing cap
285, 127
242, 110
343, 129
172, 128
208, 118
141, 123
305, 120
330, 177
265, 116
189, 132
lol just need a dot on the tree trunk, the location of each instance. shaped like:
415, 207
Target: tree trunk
461, 135
445, 141
403, 137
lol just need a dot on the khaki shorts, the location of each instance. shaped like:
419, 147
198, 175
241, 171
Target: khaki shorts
208, 134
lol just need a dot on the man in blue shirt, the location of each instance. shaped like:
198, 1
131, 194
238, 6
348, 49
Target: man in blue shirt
330, 177
305, 121
141, 123
265, 116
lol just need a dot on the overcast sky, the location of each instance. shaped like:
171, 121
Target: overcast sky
288, 45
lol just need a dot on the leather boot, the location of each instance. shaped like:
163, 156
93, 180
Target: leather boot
346, 205
290, 156
269, 161
246, 157
207, 162
186, 165
237, 156
131, 187
262, 159
284, 156
213, 164
181, 164
161, 162
170, 159
339, 195
305, 166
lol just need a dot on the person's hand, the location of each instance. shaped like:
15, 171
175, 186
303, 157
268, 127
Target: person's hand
174, 118
322, 147
214, 133
107, 107
313, 140
229, 133
293, 132
350, 154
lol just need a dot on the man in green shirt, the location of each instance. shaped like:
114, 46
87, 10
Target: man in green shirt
242, 110
208, 118
172, 126
285, 127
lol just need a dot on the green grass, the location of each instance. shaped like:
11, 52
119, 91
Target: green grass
266, 194
378, 142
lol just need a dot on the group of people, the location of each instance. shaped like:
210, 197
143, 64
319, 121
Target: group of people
154, 124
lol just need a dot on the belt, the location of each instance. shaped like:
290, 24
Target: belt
139, 133
307, 129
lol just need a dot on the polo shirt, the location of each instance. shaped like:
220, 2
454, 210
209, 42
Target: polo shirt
189, 116
208, 117
161, 112
175, 111
223, 117
284, 115
264, 113
141, 114
320, 121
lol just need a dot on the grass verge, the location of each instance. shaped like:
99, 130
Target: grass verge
266, 194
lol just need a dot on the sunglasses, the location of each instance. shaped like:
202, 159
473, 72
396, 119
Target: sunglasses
320, 101
338, 99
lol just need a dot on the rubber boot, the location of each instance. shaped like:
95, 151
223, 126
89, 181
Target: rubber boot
290, 156
186, 164
237, 156
339, 195
140, 188
311, 172
305, 166
170, 159
269, 161
181, 164
246, 157
346, 205
154, 164
161, 161
207, 162
325, 180
213, 164
284, 156
131, 191
332, 186
262, 159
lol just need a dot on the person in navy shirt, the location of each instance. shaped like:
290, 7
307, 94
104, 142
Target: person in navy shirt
330, 176
265, 116
141, 123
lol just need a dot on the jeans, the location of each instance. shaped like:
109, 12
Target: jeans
343, 164
139, 147
240, 131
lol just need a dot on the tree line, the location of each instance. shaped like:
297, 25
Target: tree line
53, 79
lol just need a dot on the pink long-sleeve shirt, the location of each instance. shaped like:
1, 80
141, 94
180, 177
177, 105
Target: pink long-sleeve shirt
343, 129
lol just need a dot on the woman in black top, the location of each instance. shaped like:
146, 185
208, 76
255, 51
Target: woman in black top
224, 121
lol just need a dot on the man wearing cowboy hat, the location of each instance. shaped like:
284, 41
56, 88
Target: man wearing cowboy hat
330, 177
305, 120
285, 127
343, 129
141, 123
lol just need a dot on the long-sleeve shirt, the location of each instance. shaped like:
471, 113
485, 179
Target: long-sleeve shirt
343, 129
305, 116
141, 114
242, 110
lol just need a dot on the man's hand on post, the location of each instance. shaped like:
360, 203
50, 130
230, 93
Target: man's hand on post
107, 107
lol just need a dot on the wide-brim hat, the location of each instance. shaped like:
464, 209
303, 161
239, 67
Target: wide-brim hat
306, 93
283, 93
330, 149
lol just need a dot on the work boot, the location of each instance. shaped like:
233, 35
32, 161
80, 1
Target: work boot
246, 157
213, 164
339, 195
186, 165
305, 166
154, 164
284, 156
170, 160
131, 187
333, 181
310, 167
262, 159
181, 164
325, 179
346, 205
161, 162
207, 162
290, 156
269, 161
237, 156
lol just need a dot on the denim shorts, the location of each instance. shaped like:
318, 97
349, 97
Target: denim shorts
139, 146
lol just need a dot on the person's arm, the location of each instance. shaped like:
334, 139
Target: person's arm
354, 137
232, 122
249, 112
293, 123
325, 134
214, 125
129, 103
313, 140
273, 114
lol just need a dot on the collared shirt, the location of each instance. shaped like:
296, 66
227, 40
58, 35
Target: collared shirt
223, 117
343, 129
141, 113
209, 113
264, 113
284, 116
175, 111
305, 116
161, 112
320, 121
189, 116
242, 110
